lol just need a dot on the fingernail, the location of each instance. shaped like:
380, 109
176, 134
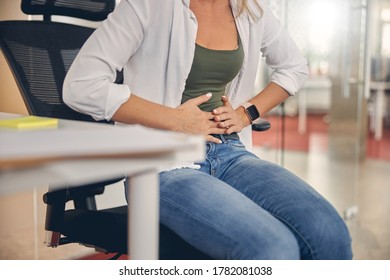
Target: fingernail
209, 94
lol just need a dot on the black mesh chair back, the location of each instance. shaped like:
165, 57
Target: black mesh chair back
41, 52
95, 10
40, 55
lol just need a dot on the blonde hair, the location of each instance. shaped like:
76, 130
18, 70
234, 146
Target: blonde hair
244, 7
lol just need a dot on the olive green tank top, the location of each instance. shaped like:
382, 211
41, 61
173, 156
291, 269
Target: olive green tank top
211, 71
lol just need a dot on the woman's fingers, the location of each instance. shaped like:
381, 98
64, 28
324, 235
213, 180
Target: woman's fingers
213, 139
200, 99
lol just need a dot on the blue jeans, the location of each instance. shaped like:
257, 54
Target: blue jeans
238, 206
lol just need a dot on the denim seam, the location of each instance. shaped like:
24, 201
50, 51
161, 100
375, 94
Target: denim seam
312, 252
208, 153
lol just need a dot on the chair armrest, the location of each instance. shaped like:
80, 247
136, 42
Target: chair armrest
261, 125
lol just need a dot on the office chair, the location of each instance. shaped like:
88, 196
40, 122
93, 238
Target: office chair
39, 54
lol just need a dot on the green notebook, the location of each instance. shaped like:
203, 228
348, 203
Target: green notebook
29, 122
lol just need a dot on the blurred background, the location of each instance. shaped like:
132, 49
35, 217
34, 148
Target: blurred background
334, 133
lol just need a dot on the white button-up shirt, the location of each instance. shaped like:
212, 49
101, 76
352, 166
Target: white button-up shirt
154, 42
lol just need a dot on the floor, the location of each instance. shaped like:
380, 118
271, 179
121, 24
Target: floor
358, 189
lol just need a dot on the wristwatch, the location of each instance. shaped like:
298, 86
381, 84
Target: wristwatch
251, 111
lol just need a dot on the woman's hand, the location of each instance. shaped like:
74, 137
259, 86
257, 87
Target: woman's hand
195, 121
228, 118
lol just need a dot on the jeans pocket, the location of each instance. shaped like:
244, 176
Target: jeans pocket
236, 143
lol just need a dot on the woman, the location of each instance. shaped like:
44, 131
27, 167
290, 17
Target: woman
190, 66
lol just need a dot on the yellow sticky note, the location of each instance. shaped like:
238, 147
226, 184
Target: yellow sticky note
29, 122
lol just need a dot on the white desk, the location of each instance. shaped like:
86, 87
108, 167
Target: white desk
78, 153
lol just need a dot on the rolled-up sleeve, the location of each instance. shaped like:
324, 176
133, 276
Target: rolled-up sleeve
89, 86
290, 69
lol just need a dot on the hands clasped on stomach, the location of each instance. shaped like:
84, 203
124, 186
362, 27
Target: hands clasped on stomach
222, 120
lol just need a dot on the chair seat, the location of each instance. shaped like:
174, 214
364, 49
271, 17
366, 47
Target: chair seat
108, 229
